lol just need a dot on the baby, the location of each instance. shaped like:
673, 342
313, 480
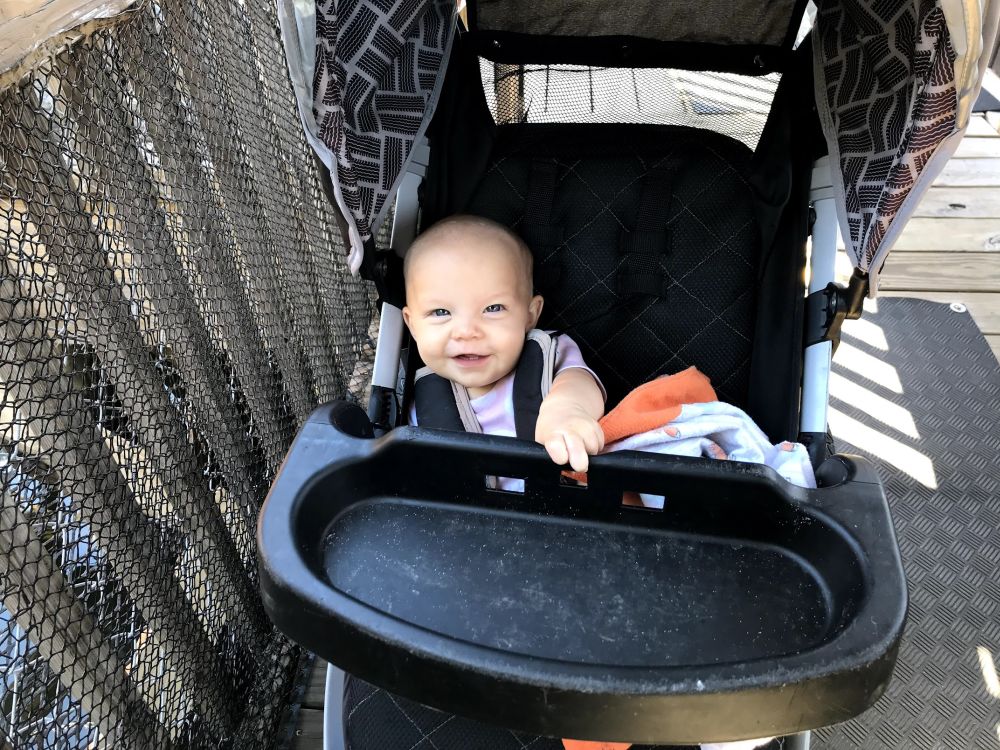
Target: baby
469, 306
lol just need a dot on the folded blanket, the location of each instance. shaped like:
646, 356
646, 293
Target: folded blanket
680, 415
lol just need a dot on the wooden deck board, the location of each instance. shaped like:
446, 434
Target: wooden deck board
979, 172
973, 147
316, 689
994, 342
309, 731
952, 235
309, 728
960, 203
981, 127
942, 271
950, 249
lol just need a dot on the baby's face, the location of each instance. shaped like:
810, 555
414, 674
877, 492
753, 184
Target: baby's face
468, 308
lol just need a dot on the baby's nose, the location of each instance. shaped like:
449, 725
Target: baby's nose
466, 328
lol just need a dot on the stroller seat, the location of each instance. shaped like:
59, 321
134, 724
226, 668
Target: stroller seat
396, 562
647, 253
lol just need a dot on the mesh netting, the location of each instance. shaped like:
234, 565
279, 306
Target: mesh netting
727, 103
173, 305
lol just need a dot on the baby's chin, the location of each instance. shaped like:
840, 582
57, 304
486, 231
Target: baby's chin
476, 383
481, 384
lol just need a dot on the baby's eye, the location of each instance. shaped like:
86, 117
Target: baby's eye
439, 312
494, 308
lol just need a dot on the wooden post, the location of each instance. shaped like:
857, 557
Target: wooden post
64, 227
509, 86
45, 607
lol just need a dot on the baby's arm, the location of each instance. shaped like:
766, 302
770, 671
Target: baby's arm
567, 420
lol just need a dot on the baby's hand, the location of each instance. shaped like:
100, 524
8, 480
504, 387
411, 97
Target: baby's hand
569, 433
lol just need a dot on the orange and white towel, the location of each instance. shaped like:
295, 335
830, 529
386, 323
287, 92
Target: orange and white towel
680, 415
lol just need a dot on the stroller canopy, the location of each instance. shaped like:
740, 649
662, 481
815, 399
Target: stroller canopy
894, 83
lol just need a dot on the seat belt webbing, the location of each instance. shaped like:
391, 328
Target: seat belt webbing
641, 272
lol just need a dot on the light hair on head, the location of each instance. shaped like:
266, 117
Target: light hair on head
460, 223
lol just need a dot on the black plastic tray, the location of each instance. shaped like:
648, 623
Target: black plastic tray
746, 607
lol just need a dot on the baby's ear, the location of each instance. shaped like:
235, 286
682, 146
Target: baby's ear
535, 310
406, 316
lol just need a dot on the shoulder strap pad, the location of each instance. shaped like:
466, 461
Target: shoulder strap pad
532, 380
443, 404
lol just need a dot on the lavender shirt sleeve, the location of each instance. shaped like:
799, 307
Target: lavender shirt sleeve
568, 355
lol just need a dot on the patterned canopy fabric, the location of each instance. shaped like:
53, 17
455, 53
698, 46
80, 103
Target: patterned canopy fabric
894, 86
374, 82
889, 84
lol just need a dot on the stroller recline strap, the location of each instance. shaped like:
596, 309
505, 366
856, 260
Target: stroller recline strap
640, 274
641, 271
442, 404
644, 242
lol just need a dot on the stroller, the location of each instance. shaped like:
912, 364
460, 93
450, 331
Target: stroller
678, 172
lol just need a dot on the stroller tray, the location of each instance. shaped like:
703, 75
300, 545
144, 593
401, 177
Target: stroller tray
745, 607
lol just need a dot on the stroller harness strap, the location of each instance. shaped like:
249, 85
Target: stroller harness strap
446, 405
641, 271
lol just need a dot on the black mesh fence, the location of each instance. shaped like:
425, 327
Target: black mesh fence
735, 105
173, 303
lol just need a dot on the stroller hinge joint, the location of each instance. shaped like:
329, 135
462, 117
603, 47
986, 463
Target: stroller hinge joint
827, 309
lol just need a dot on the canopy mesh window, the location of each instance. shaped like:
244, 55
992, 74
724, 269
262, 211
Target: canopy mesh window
735, 105
174, 303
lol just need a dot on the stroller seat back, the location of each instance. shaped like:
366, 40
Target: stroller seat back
645, 241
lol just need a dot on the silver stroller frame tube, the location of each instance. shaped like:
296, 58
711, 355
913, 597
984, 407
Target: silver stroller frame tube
799, 741
818, 357
333, 709
822, 267
385, 373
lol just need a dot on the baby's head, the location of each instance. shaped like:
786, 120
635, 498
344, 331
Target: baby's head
468, 300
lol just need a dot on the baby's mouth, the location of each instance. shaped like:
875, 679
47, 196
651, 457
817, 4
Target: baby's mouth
469, 358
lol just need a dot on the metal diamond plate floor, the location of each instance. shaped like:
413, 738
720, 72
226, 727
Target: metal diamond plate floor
917, 389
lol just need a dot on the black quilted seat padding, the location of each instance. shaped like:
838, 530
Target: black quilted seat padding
706, 316
375, 719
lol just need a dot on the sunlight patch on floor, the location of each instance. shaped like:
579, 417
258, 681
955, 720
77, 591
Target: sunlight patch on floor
989, 669
868, 333
859, 370
908, 460
869, 367
885, 411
